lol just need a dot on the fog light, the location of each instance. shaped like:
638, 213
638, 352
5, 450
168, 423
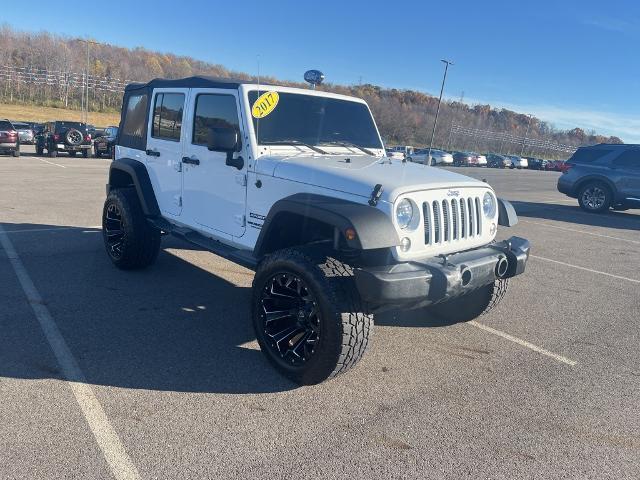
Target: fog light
493, 229
405, 244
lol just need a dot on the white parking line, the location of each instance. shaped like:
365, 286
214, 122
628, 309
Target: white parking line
51, 163
523, 343
633, 280
581, 231
121, 465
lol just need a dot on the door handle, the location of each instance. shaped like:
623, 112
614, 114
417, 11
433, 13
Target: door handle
153, 153
190, 161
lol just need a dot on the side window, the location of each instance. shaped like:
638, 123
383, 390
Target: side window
167, 116
628, 159
589, 155
213, 110
135, 116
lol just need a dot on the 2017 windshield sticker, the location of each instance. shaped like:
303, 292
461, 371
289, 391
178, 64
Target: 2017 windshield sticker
265, 104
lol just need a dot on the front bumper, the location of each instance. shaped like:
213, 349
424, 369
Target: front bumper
417, 284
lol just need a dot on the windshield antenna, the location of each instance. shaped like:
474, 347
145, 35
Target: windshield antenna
257, 119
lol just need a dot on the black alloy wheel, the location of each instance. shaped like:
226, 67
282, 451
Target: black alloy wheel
290, 319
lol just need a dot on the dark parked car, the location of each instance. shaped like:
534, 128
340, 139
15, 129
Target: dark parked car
9, 139
603, 176
464, 159
70, 137
104, 144
498, 161
537, 164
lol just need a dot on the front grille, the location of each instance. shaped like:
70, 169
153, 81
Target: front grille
448, 221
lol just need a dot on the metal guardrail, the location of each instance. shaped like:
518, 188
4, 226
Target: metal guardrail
509, 138
61, 79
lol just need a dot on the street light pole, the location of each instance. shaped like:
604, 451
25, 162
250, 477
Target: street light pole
435, 122
524, 141
85, 86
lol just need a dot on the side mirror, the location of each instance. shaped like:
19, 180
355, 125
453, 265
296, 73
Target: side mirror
225, 139
222, 139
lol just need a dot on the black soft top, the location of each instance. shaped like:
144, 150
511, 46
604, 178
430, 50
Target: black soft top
199, 81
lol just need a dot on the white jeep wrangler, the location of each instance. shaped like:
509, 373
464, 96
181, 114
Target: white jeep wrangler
295, 184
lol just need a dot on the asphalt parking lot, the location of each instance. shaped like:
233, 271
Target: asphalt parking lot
167, 380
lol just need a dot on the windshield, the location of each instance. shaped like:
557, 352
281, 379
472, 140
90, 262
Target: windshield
315, 120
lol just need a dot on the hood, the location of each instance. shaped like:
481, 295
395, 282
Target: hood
358, 174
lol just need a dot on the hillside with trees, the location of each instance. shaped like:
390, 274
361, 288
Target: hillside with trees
49, 70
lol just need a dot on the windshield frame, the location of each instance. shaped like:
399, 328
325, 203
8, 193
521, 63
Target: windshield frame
262, 149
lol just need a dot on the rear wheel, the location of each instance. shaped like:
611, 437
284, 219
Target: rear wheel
473, 304
595, 197
131, 242
307, 315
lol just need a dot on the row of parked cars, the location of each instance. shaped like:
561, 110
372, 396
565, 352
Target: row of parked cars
471, 159
56, 137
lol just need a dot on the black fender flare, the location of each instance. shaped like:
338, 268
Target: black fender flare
373, 228
507, 216
139, 175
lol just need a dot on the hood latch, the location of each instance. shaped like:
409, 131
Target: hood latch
375, 195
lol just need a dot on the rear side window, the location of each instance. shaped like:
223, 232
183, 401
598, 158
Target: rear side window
628, 159
4, 125
135, 116
213, 110
167, 116
589, 155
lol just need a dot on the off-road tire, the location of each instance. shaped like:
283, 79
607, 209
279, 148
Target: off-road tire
473, 304
608, 197
140, 242
346, 330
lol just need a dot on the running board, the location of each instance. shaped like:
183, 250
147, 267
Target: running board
242, 257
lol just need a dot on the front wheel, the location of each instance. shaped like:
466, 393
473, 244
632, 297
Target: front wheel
130, 241
473, 304
595, 197
307, 315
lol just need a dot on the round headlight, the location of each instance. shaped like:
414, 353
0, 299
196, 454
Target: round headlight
404, 213
489, 205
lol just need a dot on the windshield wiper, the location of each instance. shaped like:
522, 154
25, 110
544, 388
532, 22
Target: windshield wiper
340, 143
295, 143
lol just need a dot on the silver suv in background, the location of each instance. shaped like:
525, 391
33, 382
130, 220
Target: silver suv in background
603, 176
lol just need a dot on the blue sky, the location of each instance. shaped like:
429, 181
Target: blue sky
573, 63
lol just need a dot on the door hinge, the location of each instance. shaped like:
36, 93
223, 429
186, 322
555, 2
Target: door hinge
177, 199
240, 219
241, 179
